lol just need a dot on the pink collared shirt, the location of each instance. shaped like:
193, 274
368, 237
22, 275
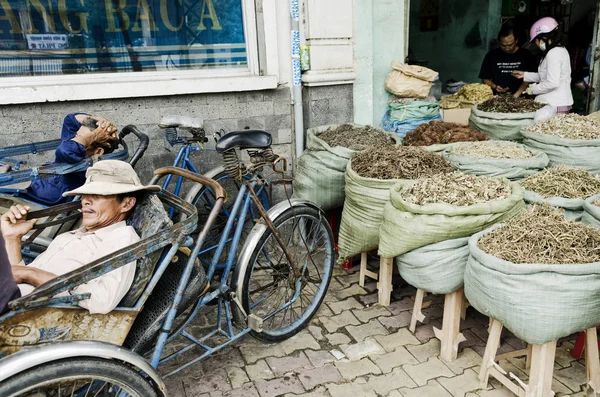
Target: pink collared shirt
74, 249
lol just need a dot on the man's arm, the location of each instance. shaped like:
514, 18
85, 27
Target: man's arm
31, 275
521, 89
14, 226
490, 83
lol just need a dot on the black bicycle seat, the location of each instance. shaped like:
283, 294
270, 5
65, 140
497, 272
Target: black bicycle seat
246, 139
181, 121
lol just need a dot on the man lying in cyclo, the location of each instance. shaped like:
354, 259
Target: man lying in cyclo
82, 136
108, 196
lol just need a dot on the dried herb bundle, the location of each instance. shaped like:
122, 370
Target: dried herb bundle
492, 150
564, 182
439, 132
399, 162
356, 138
475, 92
542, 235
457, 189
509, 104
569, 126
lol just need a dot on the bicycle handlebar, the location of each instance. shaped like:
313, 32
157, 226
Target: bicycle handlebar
214, 185
143, 138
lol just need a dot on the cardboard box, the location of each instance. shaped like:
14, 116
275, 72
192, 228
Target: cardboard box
460, 116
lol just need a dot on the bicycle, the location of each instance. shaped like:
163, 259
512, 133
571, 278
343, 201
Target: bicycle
279, 281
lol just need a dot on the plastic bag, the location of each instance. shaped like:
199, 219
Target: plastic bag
544, 113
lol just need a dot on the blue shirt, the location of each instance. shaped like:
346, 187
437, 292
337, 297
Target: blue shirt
48, 191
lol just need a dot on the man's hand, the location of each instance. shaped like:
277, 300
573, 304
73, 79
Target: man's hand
501, 90
106, 124
100, 134
519, 74
31, 275
13, 224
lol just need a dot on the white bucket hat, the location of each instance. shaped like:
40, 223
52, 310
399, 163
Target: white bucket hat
110, 177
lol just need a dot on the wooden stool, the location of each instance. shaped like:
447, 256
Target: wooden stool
540, 361
450, 335
384, 278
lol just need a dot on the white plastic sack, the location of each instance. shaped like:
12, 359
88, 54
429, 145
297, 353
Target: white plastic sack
407, 226
591, 212
572, 152
319, 175
544, 113
437, 268
512, 169
573, 208
538, 303
501, 126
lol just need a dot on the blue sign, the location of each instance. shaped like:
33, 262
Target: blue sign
295, 43
295, 9
82, 36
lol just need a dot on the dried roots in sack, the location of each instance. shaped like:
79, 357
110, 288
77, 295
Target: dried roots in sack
440, 132
356, 138
509, 104
492, 150
569, 126
564, 182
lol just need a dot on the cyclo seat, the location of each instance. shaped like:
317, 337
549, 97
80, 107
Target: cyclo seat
180, 121
246, 139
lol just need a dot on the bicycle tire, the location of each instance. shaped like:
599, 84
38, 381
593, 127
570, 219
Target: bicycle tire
257, 274
45, 376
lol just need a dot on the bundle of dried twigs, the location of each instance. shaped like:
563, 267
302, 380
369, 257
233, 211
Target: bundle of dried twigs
356, 138
542, 234
440, 132
569, 126
399, 162
457, 189
564, 182
492, 150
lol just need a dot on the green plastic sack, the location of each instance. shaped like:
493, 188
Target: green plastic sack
407, 226
501, 126
573, 208
538, 303
591, 212
413, 110
572, 152
319, 174
512, 169
363, 211
437, 268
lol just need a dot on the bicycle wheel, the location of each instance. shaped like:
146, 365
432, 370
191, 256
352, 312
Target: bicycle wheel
78, 377
271, 291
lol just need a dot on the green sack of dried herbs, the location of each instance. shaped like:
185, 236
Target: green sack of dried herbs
572, 207
501, 126
591, 211
319, 175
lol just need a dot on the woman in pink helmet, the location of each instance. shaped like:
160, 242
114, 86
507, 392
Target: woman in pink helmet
553, 78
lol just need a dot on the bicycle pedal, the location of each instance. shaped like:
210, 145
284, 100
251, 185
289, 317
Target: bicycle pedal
255, 323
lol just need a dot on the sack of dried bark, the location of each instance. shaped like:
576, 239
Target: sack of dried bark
496, 158
436, 135
567, 139
497, 125
320, 170
369, 177
562, 187
548, 284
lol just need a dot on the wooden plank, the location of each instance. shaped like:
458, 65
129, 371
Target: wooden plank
516, 353
542, 367
491, 348
450, 335
417, 315
592, 362
384, 286
363, 269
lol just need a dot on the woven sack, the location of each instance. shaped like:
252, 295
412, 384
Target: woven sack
501, 126
410, 80
591, 212
538, 303
573, 208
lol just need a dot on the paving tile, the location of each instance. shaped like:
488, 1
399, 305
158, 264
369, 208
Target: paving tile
563, 355
253, 353
339, 306
461, 384
217, 381
352, 369
317, 332
432, 369
301, 341
361, 332
467, 358
353, 389
434, 312
338, 339
319, 376
502, 392
431, 389
353, 290
279, 386
573, 377
426, 350
369, 299
384, 384
396, 321
402, 305
319, 357
367, 313
283, 365
387, 362
343, 319
401, 338
320, 391
424, 332
237, 377
365, 348
260, 370
246, 390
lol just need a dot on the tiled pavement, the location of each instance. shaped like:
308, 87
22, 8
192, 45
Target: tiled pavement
355, 348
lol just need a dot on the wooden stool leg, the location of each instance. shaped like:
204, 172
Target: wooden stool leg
450, 335
417, 315
465, 305
363, 269
592, 361
528, 358
490, 352
384, 284
542, 366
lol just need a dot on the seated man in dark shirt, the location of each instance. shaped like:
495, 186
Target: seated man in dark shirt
499, 63
82, 136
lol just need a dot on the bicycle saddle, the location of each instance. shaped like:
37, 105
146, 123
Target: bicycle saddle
180, 121
246, 139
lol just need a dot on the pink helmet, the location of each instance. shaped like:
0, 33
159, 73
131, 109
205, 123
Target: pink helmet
544, 25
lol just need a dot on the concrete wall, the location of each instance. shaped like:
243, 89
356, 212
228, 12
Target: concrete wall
269, 110
445, 49
331, 104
